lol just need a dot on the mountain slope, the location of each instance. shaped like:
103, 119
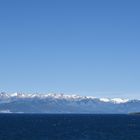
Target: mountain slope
60, 103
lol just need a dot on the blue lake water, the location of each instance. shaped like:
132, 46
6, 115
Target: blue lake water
69, 127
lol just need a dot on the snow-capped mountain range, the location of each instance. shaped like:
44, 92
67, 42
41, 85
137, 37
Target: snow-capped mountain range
61, 103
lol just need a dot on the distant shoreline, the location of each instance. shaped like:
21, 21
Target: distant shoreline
135, 113
84, 114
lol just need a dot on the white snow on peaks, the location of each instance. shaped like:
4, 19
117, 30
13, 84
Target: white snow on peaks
6, 97
114, 100
14, 94
104, 100
119, 100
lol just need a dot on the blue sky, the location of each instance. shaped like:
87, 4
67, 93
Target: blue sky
84, 47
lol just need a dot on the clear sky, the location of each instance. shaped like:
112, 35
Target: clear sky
85, 47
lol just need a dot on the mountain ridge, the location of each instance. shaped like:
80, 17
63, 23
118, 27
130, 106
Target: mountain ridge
62, 103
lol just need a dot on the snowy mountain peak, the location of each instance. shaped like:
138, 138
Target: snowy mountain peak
119, 100
61, 96
61, 103
105, 100
115, 100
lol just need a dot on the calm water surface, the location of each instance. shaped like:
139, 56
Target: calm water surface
69, 127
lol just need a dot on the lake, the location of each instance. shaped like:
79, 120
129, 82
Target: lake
69, 127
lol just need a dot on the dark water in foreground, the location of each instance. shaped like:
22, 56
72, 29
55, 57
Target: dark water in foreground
69, 127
